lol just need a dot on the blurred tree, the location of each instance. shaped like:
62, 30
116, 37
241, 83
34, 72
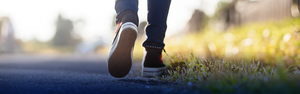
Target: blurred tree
227, 13
198, 21
297, 2
8, 43
64, 35
222, 6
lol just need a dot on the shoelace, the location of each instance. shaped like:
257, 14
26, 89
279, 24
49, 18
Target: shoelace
165, 51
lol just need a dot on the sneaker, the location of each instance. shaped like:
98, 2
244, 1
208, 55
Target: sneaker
152, 63
120, 54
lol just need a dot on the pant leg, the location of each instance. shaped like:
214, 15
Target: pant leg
157, 23
123, 5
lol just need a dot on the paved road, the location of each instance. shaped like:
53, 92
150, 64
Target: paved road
81, 74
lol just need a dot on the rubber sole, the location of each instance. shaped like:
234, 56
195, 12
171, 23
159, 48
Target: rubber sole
151, 72
120, 60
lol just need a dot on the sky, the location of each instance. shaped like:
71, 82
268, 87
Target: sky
35, 19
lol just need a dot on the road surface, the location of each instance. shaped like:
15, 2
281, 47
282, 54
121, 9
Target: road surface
76, 74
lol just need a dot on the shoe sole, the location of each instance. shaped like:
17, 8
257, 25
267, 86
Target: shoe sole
120, 60
151, 72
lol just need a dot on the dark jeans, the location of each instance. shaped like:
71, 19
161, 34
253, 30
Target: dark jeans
157, 18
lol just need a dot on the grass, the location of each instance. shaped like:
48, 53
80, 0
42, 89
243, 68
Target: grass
222, 76
255, 58
269, 42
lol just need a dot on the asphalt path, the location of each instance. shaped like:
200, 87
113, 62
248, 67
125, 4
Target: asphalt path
72, 74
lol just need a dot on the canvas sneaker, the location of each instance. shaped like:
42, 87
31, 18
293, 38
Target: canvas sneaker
152, 63
120, 55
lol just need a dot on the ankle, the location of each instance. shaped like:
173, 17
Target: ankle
128, 16
153, 50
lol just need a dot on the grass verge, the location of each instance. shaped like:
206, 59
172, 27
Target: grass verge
255, 58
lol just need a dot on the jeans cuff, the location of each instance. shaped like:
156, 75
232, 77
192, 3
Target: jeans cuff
153, 47
119, 16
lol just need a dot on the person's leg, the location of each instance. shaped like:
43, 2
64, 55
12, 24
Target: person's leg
157, 23
155, 31
124, 7
120, 54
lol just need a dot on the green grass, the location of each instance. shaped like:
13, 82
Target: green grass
221, 76
254, 58
269, 42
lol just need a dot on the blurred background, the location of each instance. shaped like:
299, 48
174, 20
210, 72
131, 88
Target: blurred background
260, 29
